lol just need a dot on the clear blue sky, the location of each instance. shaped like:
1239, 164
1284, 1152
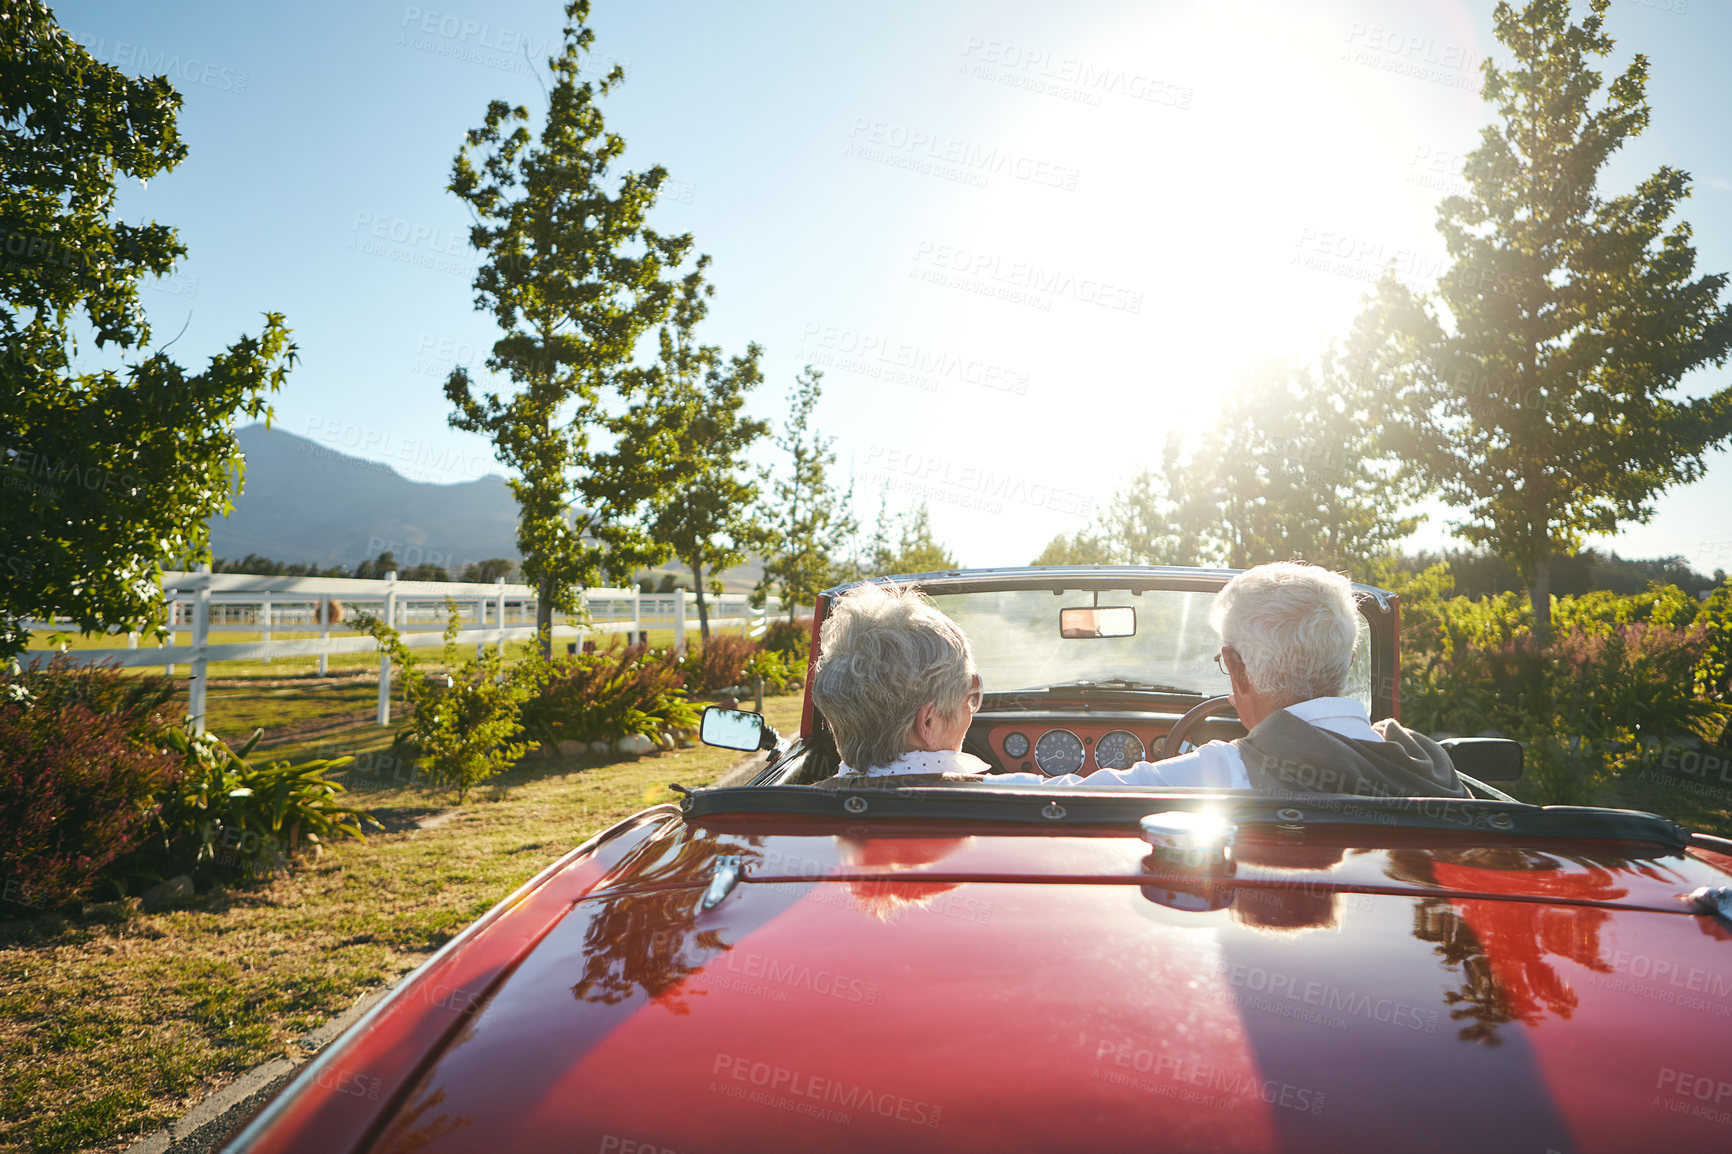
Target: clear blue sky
1023, 240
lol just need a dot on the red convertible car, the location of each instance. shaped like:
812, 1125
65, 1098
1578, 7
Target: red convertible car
782, 967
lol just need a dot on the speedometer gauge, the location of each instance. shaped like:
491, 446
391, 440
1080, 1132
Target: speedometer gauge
1058, 752
1119, 749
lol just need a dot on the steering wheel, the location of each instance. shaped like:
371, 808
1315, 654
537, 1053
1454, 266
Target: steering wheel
1182, 728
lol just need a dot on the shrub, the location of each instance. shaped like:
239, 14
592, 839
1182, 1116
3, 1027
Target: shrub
718, 663
792, 639
1714, 672
465, 726
225, 810
607, 696
78, 775
102, 687
781, 674
1585, 708
1633, 685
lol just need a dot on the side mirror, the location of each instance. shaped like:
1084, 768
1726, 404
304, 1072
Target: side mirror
1485, 758
736, 729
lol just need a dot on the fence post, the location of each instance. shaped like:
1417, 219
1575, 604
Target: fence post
265, 616
500, 582
390, 615
169, 596
324, 633
679, 622
636, 615
200, 639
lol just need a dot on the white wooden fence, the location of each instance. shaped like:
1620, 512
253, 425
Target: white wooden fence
206, 602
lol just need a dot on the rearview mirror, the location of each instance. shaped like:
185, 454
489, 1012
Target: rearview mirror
736, 729
1114, 621
1485, 758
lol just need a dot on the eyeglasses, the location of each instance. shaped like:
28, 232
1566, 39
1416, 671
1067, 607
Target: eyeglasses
1222, 665
976, 694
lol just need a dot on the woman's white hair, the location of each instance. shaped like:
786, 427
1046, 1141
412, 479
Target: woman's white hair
1293, 625
885, 652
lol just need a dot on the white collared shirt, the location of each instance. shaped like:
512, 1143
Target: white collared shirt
924, 761
1217, 764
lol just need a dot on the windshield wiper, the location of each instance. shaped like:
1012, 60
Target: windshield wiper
1117, 683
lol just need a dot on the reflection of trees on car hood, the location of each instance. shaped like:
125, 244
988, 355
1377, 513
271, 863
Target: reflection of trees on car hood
888, 898
1502, 949
650, 941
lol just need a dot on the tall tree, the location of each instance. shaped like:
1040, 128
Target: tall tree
1543, 410
1081, 548
573, 276
918, 549
1290, 469
708, 515
900, 544
1140, 525
809, 527
107, 473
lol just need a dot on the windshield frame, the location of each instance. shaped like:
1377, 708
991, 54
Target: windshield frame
1380, 609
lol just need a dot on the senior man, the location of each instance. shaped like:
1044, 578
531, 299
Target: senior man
1288, 632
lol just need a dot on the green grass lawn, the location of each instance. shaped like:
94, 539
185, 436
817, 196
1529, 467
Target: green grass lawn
116, 1021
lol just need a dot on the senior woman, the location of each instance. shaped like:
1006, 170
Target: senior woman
896, 681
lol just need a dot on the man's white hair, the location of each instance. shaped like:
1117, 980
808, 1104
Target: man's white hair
885, 653
1293, 625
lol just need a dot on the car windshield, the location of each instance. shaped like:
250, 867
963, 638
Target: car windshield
1019, 644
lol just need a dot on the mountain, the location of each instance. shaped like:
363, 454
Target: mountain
307, 502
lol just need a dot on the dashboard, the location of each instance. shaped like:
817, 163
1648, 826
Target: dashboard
1057, 747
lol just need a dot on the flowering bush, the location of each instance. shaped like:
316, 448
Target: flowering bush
607, 696
79, 776
77, 792
718, 663
792, 639
1622, 675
